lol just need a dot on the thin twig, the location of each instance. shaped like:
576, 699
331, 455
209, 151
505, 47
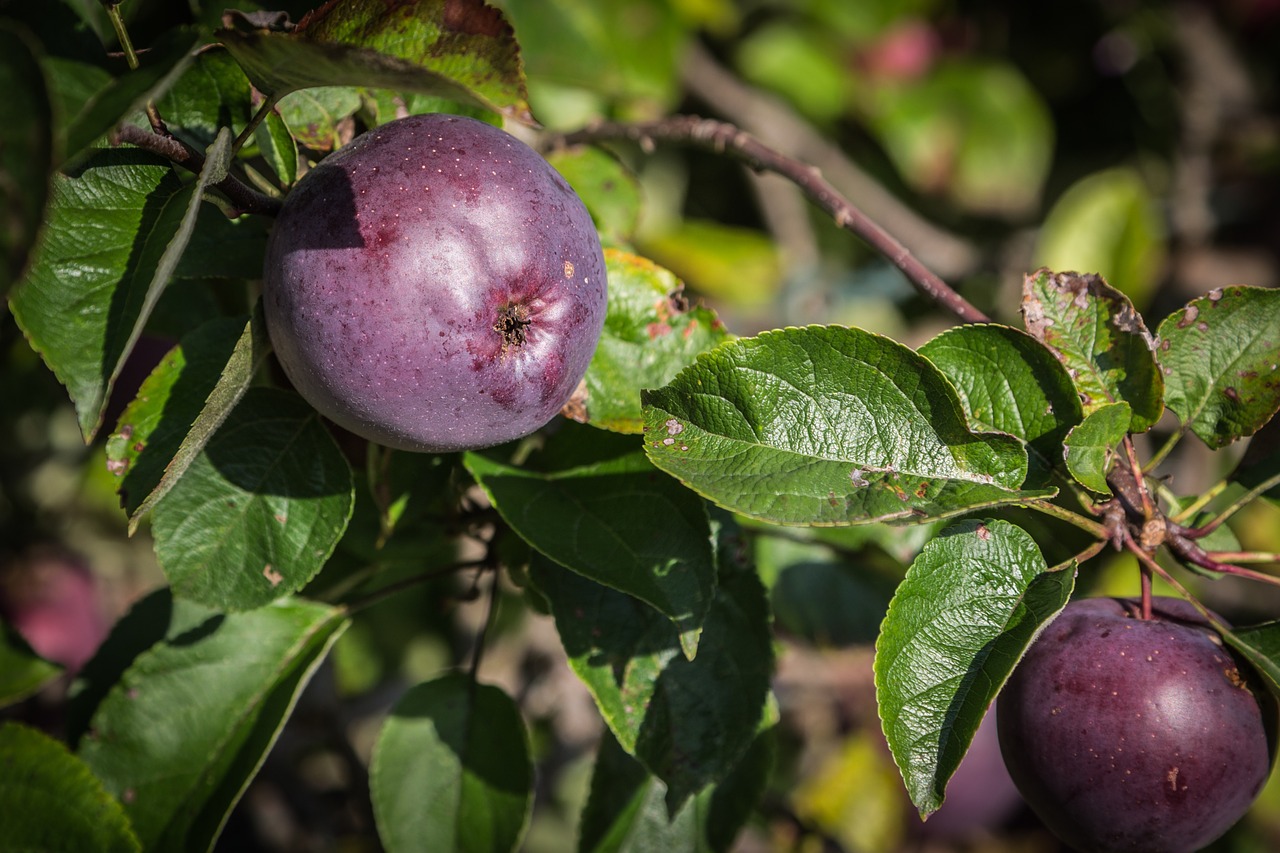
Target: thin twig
1246, 556
122, 33
380, 595
245, 199
724, 138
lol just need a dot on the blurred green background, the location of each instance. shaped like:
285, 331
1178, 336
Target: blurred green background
1136, 139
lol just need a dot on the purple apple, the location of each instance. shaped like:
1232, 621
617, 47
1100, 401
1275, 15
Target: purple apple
435, 285
1126, 734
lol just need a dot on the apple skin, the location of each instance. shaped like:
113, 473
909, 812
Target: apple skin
1132, 735
435, 285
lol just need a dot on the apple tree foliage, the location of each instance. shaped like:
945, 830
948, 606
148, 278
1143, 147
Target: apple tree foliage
134, 181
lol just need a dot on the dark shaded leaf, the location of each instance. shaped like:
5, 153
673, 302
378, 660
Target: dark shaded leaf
620, 523
49, 799
688, 722
179, 737
451, 770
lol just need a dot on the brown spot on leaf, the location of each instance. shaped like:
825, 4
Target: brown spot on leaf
273, 577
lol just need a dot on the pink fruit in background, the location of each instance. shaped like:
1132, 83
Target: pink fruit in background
1126, 734
51, 599
435, 285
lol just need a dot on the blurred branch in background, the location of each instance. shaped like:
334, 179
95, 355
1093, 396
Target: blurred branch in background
777, 125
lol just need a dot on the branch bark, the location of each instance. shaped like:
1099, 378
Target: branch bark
724, 138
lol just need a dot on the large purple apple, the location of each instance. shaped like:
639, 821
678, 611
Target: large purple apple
1127, 734
435, 285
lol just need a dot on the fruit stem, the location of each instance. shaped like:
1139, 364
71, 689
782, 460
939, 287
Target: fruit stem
122, 33
1146, 591
1087, 524
268, 104
724, 138
1170, 443
1246, 556
1200, 502
1231, 509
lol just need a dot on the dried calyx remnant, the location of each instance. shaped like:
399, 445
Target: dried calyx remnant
512, 322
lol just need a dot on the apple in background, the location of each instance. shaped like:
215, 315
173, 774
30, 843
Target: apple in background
435, 285
52, 600
1126, 734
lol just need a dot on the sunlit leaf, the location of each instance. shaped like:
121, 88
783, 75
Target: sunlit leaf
460, 49
969, 607
1008, 382
1101, 340
1091, 446
650, 333
827, 425
1221, 359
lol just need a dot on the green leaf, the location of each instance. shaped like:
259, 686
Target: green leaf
969, 607
610, 192
1260, 644
1107, 222
1221, 360
314, 115
107, 229
49, 799
259, 511
117, 98
618, 522
463, 50
180, 406
26, 151
211, 94
626, 812
222, 248
179, 737
1008, 382
1095, 332
22, 671
650, 333
1091, 445
451, 770
827, 425
688, 722
89, 294
278, 147
146, 623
